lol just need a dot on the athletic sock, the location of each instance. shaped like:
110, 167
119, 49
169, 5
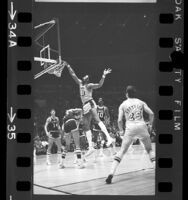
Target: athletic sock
89, 138
103, 129
115, 164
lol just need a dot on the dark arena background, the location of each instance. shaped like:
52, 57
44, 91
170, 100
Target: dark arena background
122, 37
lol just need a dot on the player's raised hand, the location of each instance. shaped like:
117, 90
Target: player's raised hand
107, 71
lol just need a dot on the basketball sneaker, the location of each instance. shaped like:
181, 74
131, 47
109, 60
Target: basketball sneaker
109, 179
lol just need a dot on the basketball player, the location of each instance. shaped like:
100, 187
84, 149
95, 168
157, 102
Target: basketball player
70, 128
103, 112
53, 131
89, 105
132, 109
104, 116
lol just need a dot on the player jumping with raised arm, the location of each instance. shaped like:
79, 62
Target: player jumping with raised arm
89, 105
132, 109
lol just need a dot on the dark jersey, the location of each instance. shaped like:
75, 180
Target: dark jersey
53, 124
101, 113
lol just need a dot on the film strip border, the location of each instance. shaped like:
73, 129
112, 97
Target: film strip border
20, 102
170, 122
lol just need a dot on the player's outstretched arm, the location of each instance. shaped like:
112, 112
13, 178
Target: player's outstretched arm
100, 84
72, 73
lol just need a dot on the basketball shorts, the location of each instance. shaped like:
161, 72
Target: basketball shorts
70, 125
88, 106
55, 134
136, 130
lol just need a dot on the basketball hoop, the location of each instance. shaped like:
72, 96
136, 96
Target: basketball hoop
55, 69
49, 53
58, 70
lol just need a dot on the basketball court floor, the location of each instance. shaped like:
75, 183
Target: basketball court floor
135, 175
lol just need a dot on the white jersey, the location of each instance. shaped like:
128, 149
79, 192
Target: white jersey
132, 109
85, 93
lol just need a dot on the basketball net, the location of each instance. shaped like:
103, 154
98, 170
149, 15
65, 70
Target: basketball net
55, 69
58, 70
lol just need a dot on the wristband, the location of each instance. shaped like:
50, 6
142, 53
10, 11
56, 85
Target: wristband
103, 76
